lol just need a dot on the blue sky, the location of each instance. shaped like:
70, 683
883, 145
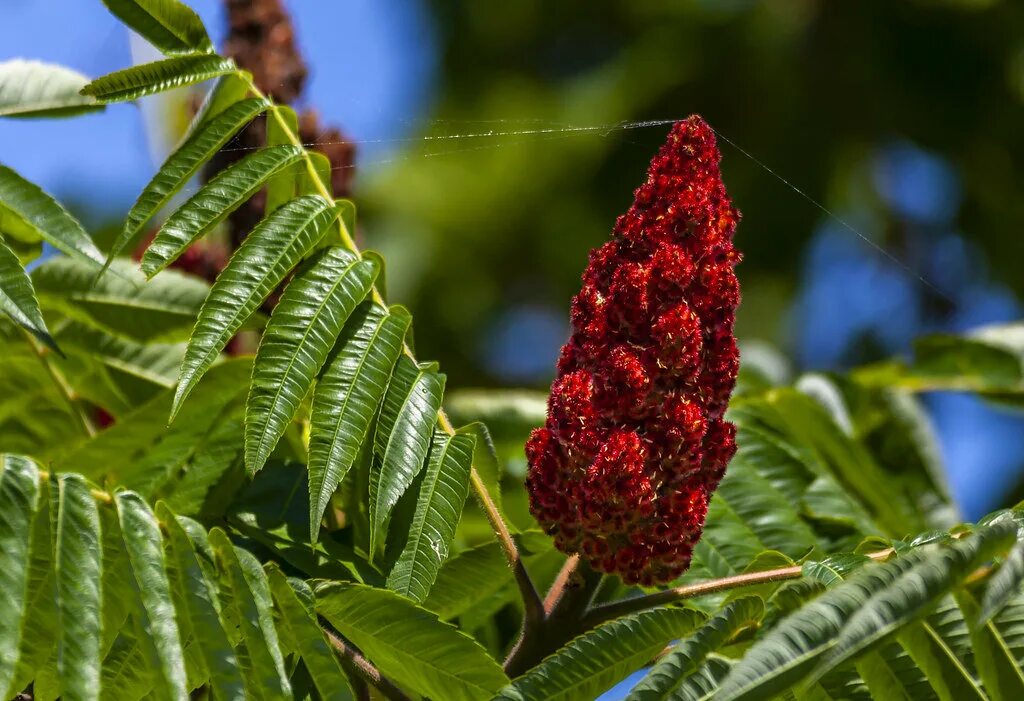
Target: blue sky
372, 71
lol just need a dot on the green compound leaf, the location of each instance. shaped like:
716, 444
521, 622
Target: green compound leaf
788, 652
409, 645
690, 655
123, 304
202, 606
270, 250
248, 594
18, 298
159, 76
438, 509
78, 572
197, 149
912, 594
37, 89
225, 193
144, 545
28, 214
404, 431
169, 25
295, 601
303, 329
1004, 584
19, 501
347, 397
591, 663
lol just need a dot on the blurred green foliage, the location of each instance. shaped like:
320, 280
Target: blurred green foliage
810, 88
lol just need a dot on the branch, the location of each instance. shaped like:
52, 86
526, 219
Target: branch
531, 600
602, 614
564, 606
364, 668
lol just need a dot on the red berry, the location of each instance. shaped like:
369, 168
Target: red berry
635, 442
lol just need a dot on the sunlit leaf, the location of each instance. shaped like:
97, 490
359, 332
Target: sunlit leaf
171, 26
77, 571
37, 89
404, 430
150, 78
305, 324
225, 193
19, 500
594, 661
347, 397
197, 149
408, 643
144, 546
18, 298
260, 263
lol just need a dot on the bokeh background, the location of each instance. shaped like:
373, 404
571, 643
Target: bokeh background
492, 156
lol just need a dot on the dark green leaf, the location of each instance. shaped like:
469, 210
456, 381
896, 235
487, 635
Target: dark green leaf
910, 595
151, 78
1004, 584
346, 399
295, 601
438, 509
409, 645
270, 250
786, 654
467, 579
594, 661
690, 655
227, 191
303, 329
197, 148
406, 425
169, 25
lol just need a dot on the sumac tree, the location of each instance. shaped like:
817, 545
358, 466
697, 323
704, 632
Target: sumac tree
321, 519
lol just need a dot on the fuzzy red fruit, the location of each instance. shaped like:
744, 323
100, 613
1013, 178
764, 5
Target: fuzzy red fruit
635, 442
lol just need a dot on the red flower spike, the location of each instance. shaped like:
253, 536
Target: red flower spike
635, 443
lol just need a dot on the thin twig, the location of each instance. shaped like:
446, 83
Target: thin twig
564, 606
606, 612
531, 600
364, 667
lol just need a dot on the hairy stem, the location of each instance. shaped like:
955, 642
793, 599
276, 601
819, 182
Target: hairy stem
606, 612
531, 600
363, 667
